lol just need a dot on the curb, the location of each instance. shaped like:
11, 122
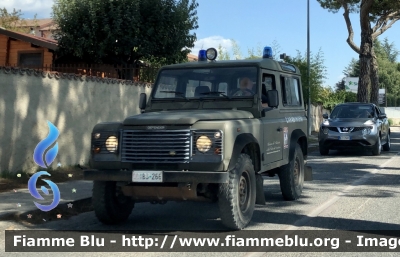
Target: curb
313, 149
19, 216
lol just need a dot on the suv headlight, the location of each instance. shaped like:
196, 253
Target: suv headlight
112, 144
366, 131
105, 142
203, 144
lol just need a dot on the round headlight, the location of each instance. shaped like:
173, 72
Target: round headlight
211, 54
112, 144
203, 144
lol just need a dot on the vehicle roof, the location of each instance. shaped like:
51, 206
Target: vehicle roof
356, 103
265, 63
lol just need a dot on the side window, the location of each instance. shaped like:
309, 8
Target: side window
268, 83
290, 91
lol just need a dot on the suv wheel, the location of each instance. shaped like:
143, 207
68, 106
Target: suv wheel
110, 205
386, 147
237, 198
323, 150
291, 176
376, 150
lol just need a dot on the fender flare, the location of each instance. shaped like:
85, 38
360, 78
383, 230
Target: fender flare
294, 137
240, 142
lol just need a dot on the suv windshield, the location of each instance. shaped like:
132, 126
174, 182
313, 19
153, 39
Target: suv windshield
237, 82
352, 111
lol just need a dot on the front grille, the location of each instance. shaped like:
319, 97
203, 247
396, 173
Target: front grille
358, 129
333, 129
155, 146
350, 129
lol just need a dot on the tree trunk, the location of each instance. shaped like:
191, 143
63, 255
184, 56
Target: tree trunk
374, 79
365, 51
365, 63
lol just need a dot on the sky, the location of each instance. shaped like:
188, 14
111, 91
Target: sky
254, 23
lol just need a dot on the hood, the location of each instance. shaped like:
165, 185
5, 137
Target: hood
185, 117
353, 122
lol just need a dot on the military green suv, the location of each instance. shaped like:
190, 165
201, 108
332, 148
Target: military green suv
209, 131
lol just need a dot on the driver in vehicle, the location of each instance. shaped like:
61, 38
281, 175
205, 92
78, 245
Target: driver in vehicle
365, 114
246, 87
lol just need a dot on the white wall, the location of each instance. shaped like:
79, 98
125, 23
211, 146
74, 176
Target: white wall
74, 106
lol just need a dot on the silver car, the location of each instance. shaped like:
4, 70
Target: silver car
354, 125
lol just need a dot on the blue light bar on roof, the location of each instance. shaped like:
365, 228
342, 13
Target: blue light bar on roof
202, 56
267, 52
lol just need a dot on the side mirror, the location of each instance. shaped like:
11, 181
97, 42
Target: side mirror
325, 116
142, 101
273, 99
382, 116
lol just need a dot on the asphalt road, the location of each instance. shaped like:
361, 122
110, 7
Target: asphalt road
351, 190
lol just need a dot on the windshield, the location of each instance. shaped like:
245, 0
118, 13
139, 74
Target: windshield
200, 83
351, 111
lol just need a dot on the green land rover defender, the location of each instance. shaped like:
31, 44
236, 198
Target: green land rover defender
209, 131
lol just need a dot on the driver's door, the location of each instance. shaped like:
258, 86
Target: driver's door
381, 123
272, 124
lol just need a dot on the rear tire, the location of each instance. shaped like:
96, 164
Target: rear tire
386, 147
236, 199
291, 176
110, 205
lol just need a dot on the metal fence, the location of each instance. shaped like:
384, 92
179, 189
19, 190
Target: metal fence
125, 72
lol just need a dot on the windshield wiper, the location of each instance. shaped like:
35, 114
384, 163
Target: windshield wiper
216, 92
176, 92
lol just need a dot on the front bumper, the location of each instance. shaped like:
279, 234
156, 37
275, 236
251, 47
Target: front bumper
356, 139
168, 176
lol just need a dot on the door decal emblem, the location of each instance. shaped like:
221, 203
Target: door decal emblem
285, 137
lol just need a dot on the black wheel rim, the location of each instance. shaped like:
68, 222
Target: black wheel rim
244, 192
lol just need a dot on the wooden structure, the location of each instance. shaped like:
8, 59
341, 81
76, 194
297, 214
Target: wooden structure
25, 50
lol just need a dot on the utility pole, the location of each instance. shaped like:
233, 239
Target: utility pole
308, 70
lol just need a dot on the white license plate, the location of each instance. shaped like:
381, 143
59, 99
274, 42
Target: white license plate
147, 176
344, 138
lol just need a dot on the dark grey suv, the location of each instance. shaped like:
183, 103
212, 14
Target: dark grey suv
353, 125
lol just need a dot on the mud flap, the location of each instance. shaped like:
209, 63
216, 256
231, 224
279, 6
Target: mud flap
308, 173
260, 198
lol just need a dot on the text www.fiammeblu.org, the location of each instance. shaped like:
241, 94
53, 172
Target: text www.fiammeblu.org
232, 241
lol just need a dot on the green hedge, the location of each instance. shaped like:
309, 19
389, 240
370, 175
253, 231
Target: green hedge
393, 100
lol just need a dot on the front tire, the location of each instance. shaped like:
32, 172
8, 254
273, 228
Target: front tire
110, 205
237, 198
291, 176
376, 150
323, 150
386, 147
